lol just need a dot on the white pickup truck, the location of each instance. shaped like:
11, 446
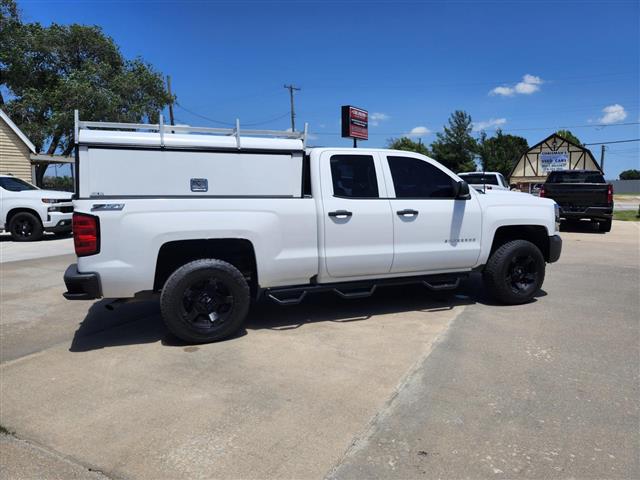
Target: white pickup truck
26, 211
485, 180
210, 222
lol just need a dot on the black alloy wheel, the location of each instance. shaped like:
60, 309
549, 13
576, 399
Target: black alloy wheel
205, 300
25, 227
523, 274
207, 304
515, 272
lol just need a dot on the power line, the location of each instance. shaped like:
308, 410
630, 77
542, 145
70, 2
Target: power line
250, 124
593, 125
203, 116
279, 117
614, 141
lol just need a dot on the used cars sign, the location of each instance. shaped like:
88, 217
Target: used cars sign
355, 122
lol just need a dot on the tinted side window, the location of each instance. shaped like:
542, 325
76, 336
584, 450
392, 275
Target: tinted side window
413, 178
354, 176
15, 184
479, 179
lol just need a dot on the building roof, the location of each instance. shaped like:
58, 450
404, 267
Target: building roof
545, 140
18, 132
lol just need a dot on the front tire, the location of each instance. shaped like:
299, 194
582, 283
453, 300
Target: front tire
515, 272
25, 227
204, 301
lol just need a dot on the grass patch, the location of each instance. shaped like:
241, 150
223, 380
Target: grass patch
626, 215
4, 431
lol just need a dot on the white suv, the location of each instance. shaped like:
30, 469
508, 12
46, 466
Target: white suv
26, 211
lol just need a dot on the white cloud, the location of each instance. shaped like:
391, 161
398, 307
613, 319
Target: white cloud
418, 132
504, 91
613, 114
376, 117
491, 123
529, 84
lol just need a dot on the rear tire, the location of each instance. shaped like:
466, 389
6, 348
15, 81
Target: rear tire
604, 226
25, 227
204, 301
515, 272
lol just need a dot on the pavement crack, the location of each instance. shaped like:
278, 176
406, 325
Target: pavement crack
51, 453
361, 439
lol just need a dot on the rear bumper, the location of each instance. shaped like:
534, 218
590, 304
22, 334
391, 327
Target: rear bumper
81, 286
555, 248
601, 213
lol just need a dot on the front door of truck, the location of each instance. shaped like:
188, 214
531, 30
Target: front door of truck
358, 224
433, 230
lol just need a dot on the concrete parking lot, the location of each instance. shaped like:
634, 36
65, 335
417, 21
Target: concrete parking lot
400, 385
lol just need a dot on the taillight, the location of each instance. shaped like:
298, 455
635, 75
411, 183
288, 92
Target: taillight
86, 234
610, 194
542, 191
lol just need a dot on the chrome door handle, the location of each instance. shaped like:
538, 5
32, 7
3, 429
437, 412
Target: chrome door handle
340, 213
407, 211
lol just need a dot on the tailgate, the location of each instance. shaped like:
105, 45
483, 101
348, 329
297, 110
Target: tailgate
578, 194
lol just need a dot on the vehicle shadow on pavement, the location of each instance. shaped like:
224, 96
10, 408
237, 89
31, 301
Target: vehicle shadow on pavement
140, 322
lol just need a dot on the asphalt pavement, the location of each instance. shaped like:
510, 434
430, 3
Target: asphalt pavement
400, 385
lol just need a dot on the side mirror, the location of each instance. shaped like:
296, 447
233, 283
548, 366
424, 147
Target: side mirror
462, 191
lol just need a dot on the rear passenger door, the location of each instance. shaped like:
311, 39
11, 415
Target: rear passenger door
433, 230
358, 224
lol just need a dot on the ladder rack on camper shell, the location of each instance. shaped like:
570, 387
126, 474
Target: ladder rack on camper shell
163, 130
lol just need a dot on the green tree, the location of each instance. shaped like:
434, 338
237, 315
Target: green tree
501, 152
405, 143
569, 136
631, 174
50, 71
455, 147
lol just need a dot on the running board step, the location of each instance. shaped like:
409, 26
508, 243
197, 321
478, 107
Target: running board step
356, 293
436, 287
352, 290
288, 301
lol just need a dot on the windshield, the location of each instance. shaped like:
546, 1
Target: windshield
479, 178
575, 177
15, 184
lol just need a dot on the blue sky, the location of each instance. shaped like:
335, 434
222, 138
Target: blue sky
527, 67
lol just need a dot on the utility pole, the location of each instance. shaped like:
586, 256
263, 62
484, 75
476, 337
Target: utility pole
171, 119
291, 88
603, 148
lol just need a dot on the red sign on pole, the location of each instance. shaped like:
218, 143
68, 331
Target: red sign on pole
355, 122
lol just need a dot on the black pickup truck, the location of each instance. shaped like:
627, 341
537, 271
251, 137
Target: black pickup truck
581, 194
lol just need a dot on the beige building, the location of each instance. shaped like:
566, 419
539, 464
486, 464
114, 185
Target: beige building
15, 150
552, 153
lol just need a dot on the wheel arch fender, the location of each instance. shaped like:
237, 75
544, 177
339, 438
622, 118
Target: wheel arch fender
239, 252
15, 210
534, 233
